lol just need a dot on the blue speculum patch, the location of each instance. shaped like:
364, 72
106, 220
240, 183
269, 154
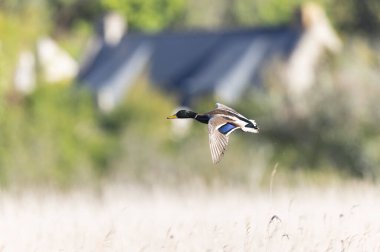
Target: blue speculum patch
226, 128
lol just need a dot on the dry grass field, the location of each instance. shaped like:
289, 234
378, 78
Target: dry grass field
336, 218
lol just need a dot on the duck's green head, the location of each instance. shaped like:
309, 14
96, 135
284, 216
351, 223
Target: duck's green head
183, 114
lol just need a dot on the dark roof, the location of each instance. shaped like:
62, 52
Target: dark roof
190, 63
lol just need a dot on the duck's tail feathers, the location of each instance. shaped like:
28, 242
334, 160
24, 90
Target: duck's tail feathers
251, 127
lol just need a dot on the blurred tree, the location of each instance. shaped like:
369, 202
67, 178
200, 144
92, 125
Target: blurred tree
356, 15
66, 13
152, 15
211, 13
347, 15
147, 15
249, 12
12, 5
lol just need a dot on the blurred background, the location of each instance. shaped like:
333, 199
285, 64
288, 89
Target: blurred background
86, 86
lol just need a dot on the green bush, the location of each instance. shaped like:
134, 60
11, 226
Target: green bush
248, 12
151, 15
335, 125
53, 137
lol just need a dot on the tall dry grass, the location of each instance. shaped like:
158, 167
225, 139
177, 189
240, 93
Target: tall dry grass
336, 218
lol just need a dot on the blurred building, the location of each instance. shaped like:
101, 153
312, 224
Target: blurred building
54, 63
24, 78
195, 63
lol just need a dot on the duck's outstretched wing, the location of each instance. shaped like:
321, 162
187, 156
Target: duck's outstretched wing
217, 139
224, 107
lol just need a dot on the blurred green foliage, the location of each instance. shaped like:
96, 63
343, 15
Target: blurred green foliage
355, 15
151, 15
264, 12
56, 136
19, 30
53, 137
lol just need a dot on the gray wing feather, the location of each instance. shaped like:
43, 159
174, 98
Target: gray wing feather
236, 120
218, 141
224, 107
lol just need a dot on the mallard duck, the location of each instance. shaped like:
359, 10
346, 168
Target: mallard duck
221, 121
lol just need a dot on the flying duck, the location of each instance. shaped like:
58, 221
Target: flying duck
222, 121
